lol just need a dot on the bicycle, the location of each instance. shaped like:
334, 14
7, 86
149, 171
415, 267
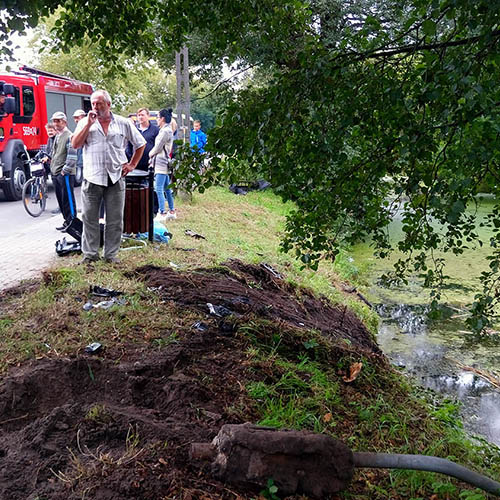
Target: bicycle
35, 189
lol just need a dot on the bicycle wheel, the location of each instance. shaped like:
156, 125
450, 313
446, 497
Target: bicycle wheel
34, 198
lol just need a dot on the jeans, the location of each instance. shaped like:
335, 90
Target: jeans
163, 180
114, 199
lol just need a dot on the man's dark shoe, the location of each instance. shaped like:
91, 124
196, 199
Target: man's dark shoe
88, 260
56, 211
112, 260
61, 228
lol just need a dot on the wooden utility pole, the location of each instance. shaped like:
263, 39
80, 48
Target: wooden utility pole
183, 106
183, 95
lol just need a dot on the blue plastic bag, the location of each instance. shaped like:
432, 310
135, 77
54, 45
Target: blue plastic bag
160, 234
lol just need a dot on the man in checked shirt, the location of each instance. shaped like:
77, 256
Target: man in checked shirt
104, 137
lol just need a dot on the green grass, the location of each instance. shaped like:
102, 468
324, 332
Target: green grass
295, 376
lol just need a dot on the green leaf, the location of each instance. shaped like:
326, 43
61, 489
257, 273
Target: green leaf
429, 27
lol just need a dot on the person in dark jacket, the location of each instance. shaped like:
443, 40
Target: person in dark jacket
149, 131
62, 165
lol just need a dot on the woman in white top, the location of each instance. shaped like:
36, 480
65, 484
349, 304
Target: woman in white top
160, 156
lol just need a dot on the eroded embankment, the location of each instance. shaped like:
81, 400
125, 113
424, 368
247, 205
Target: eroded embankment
119, 426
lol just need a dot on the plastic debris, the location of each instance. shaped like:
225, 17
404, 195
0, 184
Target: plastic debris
200, 326
194, 235
271, 269
173, 265
219, 311
93, 348
104, 292
64, 247
104, 304
160, 234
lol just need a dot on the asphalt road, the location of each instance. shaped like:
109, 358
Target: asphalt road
27, 244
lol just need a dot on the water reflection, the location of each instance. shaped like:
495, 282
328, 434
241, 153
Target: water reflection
433, 353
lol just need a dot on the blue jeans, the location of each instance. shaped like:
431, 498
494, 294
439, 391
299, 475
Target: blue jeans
161, 181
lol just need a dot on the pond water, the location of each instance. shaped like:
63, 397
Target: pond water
441, 355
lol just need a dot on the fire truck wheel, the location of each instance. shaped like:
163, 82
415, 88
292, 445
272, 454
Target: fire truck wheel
79, 176
13, 187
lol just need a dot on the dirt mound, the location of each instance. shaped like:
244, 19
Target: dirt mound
119, 426
245, 289
115, 431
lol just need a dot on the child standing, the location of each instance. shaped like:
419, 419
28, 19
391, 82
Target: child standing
198, 138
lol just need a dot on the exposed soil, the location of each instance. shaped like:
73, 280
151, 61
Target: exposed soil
119, 426
244, 289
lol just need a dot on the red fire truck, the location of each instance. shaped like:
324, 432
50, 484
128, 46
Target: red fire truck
31, 97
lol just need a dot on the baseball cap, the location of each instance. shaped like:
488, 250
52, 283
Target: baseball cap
79, 112
59, 115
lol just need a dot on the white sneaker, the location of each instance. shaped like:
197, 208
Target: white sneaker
171, 215
160, 217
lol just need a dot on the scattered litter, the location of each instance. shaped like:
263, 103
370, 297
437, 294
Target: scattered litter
187, 249
93, 348
271, 269
50, 348
104, 292
160, 234
194, 235
200, 326
105, 304
219, 311
64, 247
174, 265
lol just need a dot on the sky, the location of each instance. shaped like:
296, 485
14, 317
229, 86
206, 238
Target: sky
23, 54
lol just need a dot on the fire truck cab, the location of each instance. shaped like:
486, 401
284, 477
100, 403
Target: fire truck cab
31, 97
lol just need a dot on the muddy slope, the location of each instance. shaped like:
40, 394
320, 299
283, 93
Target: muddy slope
248, 290
119, 426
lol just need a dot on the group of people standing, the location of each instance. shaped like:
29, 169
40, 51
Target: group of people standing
62, 160
159, 152
110, 147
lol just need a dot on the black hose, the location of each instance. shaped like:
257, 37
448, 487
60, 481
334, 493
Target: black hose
427, 463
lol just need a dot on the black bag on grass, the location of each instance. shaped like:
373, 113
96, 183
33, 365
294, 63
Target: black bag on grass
64, 247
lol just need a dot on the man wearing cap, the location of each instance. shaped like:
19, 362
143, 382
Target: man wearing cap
104, 137
63, 163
